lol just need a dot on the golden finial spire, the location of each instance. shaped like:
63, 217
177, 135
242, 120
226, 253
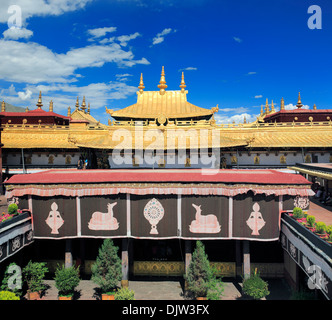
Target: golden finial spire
182, 85
299, 103
3, 106
89, 108
244, 119
83, 104
267, 110
26, 109
39, 103
272, 107
162, 83
51, 106
282, 104
77, 104
315, 108
69, 112
141, 84
262, 111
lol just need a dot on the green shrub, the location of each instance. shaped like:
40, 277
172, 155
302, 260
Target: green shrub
7, 275
255, 287
12, 208
34, 273
199, 272
320, 227
215, 289
124, 294
7, 295
66, 280
329, 229
311, 220
107, 270
298, 213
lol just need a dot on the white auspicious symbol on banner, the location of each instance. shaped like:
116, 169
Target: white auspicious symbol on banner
153, 212
104, 221
54, 220
301, 202
255, 221
204, 224
16, 243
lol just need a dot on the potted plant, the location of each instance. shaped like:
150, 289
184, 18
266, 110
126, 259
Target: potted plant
329, 233
124, 294
34, 273
255, 287
321, 229
8, 295
199, 273
107, 270
298, 214
311, 222
13, 209
66, 281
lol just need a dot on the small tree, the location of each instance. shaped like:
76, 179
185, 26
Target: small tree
66, 280
34, 273
199, 272
12, 208
125, 294
107, 270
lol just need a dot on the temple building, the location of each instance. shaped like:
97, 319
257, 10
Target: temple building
163, 130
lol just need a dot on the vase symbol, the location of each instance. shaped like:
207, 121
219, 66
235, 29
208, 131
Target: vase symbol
153, 212
54, 220
255, 221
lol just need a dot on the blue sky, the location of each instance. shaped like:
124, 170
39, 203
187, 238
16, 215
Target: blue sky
233, 53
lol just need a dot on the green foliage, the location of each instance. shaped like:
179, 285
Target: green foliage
8, 295
303, 295
34, 273
320, 227
124, 294
311, 220
298, 213
12, 208
329, 229
4, 285
255, 287
215, 289
107, 270
199, 272
66, 280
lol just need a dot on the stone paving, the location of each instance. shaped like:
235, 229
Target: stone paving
168, 290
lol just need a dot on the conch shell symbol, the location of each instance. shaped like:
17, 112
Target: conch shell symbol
54, 220
255, 221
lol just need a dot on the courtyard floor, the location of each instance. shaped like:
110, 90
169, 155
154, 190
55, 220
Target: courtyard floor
168, 290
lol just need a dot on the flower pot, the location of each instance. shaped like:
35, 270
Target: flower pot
33, 295
201, 298
65, 297
106, 296
322, 235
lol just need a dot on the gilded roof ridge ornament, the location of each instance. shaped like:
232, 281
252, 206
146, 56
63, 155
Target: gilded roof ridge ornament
162, 83
182, 84
77, 105
262, 111
282, 104
51, 106
315, 107
83, 107
299, 103
272, 107
69, 112
89, 108
3, 106
267, 110
141, 84
39, 103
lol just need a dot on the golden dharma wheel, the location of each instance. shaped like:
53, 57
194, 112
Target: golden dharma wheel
161, 118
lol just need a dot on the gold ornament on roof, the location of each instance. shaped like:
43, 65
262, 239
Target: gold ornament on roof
299, 103
77, 104
267, 109
161, 119
69, 112
315, 108
282, 104
51, 106
162, 83
39, 103
182, 84
3, 106
141, 84
83, 107
272, 107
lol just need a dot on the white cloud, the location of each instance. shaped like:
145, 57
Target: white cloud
17, 33
237, 118
251, 73
292, 106
33, 63
237, 39
100, 32
258, 96
241, 109
30, 8
25, 95
125, 38
188, 69
160, 37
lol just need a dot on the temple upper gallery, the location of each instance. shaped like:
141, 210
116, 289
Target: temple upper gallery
163, 130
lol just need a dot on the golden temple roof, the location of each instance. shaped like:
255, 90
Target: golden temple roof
163, 104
